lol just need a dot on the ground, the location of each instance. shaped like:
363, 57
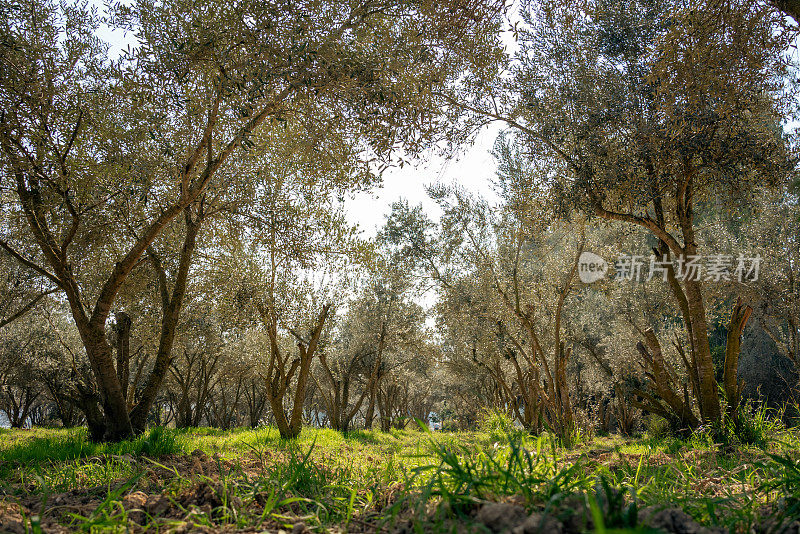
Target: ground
54, 480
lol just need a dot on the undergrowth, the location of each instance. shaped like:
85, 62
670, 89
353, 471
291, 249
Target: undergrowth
431, 481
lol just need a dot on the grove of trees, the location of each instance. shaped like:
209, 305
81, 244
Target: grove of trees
175, 248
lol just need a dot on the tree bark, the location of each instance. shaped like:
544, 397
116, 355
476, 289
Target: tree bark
738, 322
709, 397
123, 342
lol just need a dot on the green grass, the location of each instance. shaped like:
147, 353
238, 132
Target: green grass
47, 446
370, 480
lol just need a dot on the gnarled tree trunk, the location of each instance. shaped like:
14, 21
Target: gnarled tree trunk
280, 372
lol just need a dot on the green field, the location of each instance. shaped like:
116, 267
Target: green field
201, 479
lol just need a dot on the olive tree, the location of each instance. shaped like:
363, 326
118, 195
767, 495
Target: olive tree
641, 112
100, 154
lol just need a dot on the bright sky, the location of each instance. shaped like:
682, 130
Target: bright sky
474, 170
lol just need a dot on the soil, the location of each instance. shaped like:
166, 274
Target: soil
198, 503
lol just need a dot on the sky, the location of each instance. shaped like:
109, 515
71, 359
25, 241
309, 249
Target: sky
473, 169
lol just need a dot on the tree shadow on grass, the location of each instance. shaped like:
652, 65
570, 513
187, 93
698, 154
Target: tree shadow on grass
362, 436
73, 444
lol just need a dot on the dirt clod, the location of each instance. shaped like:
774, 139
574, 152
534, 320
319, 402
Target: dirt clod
157, 505
539, 524
673, 520
501, 517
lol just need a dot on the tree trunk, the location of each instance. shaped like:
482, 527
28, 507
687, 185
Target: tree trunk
281, 421
255, 404
115, 408
17, 410
733, 388
709, 397
170, 314
565, 418
123, 342
89, 403
278, 377
369, 415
